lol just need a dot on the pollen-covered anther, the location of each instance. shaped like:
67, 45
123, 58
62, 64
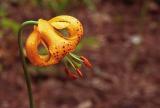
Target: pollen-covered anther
86, 62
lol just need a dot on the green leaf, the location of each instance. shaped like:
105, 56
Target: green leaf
90, 4
91, 42
58, 5
7, 23
2, 12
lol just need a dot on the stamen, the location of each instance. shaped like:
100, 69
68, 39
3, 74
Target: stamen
70, 74
72, 64
79, 73
86, 62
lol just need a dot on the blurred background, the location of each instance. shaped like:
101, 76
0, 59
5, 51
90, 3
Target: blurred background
121, 40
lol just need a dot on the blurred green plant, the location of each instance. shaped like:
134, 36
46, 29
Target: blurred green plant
2, 12
8, 23
38, 2
1, 33
90, 4
42, 69
89, 42
58, 5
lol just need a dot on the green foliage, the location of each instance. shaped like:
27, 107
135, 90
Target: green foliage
90, 4
44, 69
38, 2
88, 41
7, 23
2, 12
50, 70
58, 5
1, 34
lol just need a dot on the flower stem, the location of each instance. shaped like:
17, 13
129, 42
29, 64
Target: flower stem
26, 74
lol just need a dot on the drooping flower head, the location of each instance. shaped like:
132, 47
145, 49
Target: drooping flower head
58, 46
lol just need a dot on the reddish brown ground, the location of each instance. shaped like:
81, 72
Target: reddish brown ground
124, 75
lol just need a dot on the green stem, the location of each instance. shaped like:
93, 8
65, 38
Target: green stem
26, 74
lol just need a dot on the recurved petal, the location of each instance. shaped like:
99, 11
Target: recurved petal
31, 48
49, 35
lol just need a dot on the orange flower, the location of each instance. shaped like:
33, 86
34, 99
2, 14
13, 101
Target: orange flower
58, 46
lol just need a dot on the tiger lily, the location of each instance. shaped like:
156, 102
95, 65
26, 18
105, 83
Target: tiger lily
58, 46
